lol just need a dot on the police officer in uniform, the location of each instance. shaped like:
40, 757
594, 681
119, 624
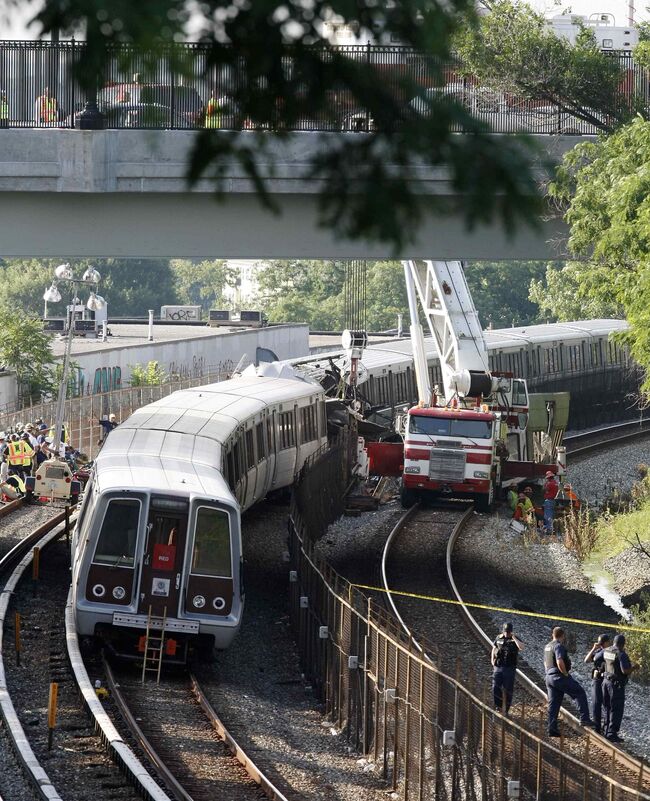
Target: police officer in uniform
617, 670
505, 651
597, 656
557, 666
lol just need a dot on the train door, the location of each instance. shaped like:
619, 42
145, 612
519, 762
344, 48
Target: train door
261, 455
272, 460
162, 566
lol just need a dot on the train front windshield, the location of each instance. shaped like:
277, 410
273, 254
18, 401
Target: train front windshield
211, 555
450, 427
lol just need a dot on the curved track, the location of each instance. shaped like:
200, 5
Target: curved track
467, 657
19, 558
191, 750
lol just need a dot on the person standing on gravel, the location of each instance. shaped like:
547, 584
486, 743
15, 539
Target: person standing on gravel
597, 656
617, 671
558, 682
551, 489
505, 651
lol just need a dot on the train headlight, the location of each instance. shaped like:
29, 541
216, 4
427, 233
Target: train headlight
481, 474
415, 469
119, 593
219, 603
99, 590
198, 601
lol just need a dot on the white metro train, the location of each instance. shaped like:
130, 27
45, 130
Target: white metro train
159, 531
561, 355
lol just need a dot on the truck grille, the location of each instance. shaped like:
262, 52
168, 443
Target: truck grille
446, 465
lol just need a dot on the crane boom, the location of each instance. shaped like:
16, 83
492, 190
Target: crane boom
454, 324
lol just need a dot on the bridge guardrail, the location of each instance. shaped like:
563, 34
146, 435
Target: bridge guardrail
145, 90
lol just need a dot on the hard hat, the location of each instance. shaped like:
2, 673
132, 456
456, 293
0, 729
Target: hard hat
111, 417
549, 474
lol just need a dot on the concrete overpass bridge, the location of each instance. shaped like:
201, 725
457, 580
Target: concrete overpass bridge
123, 193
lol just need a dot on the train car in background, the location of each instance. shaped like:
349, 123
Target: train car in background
158, 542
580, 357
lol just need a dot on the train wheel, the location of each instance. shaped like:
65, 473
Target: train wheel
408, 497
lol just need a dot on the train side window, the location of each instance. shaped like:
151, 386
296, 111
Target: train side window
250, 449
270, 434
211, 554
287, 431
119, 533
236, 457
261, 445
230, 470
308, 422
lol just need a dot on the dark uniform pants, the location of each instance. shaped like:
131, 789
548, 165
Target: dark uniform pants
503, 681
613, 704
556, 686
597, 701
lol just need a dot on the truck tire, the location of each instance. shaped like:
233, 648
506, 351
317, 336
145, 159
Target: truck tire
408, 497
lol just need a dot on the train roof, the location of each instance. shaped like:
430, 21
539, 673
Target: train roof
175, 443
399, 351
552, 332
160, 461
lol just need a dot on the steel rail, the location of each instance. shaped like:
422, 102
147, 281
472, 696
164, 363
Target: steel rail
616, 754
11, 507
626, 760
164, 773
19, 558
591, 441
256, 774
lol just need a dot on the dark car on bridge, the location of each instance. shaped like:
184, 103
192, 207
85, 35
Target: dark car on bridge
186, 108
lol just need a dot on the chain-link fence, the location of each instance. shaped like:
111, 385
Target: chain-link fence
430, 735
82, 414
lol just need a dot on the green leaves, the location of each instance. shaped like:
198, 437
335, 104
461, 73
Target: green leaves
25, 349
514, 50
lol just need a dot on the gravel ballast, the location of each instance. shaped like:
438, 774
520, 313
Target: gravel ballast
258, 689
495, 566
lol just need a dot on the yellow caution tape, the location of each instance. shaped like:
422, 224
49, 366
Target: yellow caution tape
434, 599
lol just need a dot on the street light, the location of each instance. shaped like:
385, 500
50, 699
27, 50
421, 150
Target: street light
95, 302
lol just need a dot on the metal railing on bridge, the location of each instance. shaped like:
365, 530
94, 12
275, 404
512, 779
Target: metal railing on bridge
180, 90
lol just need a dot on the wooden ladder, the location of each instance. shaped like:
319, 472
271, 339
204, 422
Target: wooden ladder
154, 646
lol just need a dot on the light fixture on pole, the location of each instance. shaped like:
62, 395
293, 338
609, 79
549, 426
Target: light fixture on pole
95, 303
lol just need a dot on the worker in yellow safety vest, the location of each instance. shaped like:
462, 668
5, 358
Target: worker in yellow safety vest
46, 108
19, 456
65, 437
4, 110
212, 113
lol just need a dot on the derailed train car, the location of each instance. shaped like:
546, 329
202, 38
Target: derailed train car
159, 533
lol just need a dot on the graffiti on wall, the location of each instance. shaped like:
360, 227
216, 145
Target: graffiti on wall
177, 370
107, 379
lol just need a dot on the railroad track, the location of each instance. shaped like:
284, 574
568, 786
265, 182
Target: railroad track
455, 654
18, 559
588, 442
10, 507
194, 755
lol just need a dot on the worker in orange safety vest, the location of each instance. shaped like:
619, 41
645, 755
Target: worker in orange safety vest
19, 456
47, 110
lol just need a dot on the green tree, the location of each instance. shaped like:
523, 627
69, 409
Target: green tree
574, 291
500, 291
202, 283
514, 50
26, 349
148, 375
280, 72
130, 286
604, 187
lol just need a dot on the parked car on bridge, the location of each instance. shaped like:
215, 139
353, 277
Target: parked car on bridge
184, 101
